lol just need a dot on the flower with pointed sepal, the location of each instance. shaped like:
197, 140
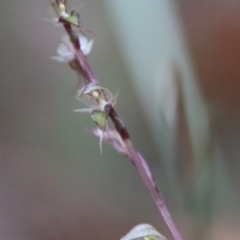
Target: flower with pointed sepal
58, 11
113, 138
99, 101
66, 51
60, 15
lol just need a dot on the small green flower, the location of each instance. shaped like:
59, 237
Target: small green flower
60, 15
99, 100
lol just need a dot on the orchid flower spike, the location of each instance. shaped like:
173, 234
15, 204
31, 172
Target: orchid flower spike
66, 50
99, 100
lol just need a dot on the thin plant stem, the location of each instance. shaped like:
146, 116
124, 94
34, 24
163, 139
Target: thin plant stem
89, 77
153, 190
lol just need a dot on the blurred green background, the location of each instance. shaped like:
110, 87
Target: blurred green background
176, 64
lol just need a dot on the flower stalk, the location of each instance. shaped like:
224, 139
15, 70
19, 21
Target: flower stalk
100, 102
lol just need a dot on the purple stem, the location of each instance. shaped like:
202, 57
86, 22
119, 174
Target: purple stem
143, 169
137, 160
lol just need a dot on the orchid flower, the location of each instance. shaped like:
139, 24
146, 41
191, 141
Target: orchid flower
58, 9
112, 137
60, 15
99, 101
66, 50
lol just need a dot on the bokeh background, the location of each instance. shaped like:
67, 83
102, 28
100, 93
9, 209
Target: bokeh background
176, 64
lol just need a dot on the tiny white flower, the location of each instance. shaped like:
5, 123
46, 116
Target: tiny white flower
86, 45
113, 138
66, 50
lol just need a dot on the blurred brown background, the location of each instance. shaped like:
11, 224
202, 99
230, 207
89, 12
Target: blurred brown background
53, 182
